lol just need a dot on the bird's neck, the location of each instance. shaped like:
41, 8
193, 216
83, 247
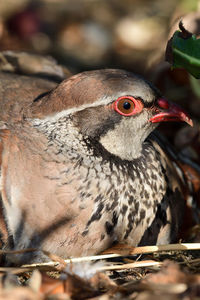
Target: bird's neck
64, 139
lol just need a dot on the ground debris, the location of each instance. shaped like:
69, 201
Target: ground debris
123, 272
173, 280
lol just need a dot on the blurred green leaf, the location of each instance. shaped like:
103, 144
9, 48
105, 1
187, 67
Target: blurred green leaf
186, 52
195, 85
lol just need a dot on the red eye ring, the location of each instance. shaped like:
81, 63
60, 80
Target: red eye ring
136, 106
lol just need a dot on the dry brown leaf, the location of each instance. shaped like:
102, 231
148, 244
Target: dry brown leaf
171, 273
101, 281
51, 286
20, 293
74, 286
78, 288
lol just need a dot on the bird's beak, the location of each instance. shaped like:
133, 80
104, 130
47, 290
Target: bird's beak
167, 112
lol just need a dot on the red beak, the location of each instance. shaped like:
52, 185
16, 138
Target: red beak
168, 112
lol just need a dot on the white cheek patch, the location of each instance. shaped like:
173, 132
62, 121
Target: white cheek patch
125, 140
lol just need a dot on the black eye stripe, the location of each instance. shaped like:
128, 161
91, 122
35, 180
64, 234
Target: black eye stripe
149, 104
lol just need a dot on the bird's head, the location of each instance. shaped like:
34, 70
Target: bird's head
112, 107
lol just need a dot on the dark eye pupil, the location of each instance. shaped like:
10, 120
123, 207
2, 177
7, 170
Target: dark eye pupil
126, 105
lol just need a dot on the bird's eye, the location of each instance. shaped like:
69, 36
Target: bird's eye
128, 106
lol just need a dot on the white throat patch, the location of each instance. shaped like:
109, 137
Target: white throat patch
126, 139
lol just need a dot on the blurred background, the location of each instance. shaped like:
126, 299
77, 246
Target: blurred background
91, 34
88, 34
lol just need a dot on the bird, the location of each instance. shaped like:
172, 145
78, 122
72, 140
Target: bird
82, 166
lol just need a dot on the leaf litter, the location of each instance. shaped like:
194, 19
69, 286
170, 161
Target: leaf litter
123, 272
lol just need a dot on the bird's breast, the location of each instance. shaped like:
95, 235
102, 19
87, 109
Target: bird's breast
79, 206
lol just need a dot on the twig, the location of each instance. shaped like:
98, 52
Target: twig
72, 260
18, 251
138, 264
169, 247
13, 270
132, 251
129, 251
